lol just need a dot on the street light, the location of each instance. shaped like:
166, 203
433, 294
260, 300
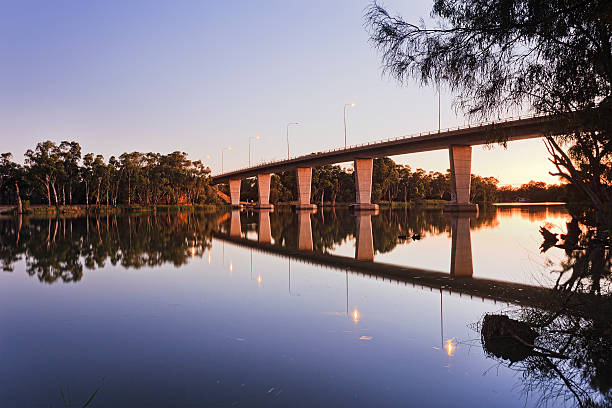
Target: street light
251, 137
289, 124
352, 105
223, 151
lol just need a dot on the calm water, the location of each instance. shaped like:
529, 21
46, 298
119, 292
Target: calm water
274, 309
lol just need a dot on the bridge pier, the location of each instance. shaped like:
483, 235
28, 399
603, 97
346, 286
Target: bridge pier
461, 173
264, 232
263, 189
304, 180
304, 230
235, 227
234, 187
461, 247
363, 185
364, 245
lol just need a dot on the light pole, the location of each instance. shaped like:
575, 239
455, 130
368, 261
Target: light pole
352, 105
251, 137
289, 124
439, 107
223, 151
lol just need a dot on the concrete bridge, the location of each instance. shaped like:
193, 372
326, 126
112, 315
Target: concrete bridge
457, 141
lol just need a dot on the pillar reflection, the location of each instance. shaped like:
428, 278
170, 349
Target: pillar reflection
305, 230
264, 232
461, 247
364, 247
235, 227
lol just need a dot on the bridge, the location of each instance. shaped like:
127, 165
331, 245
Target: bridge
458, 141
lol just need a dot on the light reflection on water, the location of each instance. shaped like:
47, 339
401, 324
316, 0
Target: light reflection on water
169, 311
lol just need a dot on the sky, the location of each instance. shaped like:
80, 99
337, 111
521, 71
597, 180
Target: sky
199, 76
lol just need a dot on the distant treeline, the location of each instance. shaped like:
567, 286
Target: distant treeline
60, 175
55, 174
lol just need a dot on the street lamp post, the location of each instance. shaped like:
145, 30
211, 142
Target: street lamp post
289, 124
251, 137
223, 151
345, 106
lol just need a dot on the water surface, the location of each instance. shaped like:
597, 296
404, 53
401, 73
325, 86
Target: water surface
277, 309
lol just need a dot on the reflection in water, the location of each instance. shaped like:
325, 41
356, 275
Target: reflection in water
305, 230
450, 347
264, 233
57, 249
461, 252
364, 246
235, 229
568, 357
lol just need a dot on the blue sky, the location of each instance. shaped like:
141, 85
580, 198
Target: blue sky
197, 76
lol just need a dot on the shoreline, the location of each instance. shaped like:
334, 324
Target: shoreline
81, 209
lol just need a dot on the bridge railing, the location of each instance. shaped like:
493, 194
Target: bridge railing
391, 139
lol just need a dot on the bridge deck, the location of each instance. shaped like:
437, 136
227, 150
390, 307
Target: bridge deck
509, 130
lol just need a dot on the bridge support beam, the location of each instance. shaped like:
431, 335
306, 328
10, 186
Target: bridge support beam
234, 186
364, 245
304, 179
305, 230
363, 185
263, 188
461, 171
264, 232
461, 247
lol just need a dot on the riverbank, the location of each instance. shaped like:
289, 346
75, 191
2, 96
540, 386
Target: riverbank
45, 210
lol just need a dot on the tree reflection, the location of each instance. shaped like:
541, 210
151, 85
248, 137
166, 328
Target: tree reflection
569, 356
59, 249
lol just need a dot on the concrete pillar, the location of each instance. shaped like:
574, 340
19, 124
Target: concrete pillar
263, 188
234, 186
304, 230
264, 232
461, 170
304, 179
461, 247
235, 227
364, 245
363, 185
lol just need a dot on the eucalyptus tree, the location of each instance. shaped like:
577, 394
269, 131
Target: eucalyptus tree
99, 173
385, 179
70, 156
11, 175
130, 168
86, 174
43, 167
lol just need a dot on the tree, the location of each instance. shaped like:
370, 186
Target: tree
70, 155
11, 174
43, 167
385, 179
549, 57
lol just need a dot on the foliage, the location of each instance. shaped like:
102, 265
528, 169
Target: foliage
549, 57
59, 175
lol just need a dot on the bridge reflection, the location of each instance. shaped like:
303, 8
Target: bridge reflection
458, 279
461, 247
364, 245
